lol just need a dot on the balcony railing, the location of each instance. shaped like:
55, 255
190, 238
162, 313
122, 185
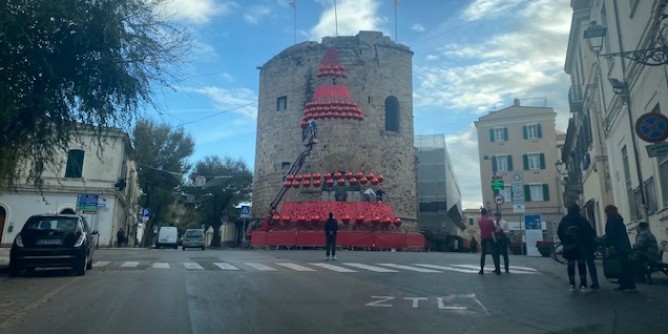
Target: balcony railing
575, 98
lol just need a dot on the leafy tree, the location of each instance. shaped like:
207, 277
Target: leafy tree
70, 62
228, 182
161, 154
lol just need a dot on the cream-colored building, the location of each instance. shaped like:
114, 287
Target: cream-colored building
521, 140
105, 178
618, 87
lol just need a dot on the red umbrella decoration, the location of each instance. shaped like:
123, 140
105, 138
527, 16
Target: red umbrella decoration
363, 180
337, 175
330, 182
316, 183
380, 178
345, 219
295, 184
306, 183
358, 175
374, 181
397, 222
287, 184
341, 181
327, 176
349, 175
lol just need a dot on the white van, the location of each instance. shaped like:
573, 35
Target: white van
168, 236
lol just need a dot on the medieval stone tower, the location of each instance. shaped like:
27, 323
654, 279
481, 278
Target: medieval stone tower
359, 92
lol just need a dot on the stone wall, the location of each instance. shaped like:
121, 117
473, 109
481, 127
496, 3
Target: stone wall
377, 68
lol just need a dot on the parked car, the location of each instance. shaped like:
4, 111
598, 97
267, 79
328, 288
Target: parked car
193, 238
168, 236
53, 241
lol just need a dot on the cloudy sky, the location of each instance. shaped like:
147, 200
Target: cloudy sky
471, 57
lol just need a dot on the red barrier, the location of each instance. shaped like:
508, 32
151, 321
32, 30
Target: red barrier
280, 238
258, 239
415, 240
310, 238
356, 239
390, 240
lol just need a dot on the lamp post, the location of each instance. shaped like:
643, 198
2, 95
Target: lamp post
594, 35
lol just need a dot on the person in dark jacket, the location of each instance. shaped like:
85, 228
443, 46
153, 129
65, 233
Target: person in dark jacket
577, 238
617, 239
331, 227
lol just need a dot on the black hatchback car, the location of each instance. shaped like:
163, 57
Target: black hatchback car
53, 241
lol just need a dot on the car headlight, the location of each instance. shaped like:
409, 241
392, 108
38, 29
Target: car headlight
19, 241
81, 240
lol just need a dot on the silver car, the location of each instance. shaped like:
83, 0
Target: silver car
193, 238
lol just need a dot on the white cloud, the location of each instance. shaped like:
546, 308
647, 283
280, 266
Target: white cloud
480, 9
463, 146
353, 16
198, 11
240, 100
203, 51
418, 27
432, 57
255, 14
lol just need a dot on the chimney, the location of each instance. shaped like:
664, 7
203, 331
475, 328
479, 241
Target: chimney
516, 102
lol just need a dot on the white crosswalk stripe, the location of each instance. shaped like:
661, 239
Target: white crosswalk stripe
448, 268
420, 270
192, 266
513, 269
226, 266
129, 264
260, 266
370, 268
294, 267
99, 264
161, 265
333, 268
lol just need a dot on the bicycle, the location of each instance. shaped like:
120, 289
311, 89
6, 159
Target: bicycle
558, 252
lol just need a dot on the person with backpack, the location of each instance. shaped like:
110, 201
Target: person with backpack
576, 236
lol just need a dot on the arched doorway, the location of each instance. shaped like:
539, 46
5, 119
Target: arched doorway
3, 215
67, 211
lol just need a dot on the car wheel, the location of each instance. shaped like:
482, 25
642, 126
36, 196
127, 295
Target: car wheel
157, 246
13, 271
203, 248
183, 248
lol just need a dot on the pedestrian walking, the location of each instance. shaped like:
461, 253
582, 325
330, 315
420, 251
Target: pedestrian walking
502, 240
331, 227
617, 239
576, 236
487, 241
120, 238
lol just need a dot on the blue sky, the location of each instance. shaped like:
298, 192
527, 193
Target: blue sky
471, 57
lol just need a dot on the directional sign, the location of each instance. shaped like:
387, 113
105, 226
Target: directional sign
87, 203
656, 150
499, 199
245, 211
652, 127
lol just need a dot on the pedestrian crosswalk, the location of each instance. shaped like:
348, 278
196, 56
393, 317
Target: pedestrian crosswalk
342, 267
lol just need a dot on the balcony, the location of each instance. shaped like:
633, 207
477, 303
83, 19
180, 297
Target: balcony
575, 98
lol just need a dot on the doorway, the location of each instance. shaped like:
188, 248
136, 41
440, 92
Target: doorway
3, 216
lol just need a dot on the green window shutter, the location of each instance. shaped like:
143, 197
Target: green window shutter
546, 193
540, 131
505, 134
510, 162
525, 132
494, 167
491, 135
525, 159
527, 193
542, 161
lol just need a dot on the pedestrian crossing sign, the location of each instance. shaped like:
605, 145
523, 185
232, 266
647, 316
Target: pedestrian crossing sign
245, 211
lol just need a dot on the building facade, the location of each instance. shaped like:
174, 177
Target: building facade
99, 183
358, 90
518, 145
619, 87
439, 196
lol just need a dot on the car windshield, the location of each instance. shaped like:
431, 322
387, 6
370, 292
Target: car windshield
52, 223
194, 233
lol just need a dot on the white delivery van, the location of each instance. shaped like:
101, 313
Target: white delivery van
168, 236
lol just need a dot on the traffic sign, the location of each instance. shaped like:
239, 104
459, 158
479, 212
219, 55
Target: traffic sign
657, 149
87, 203
145, 214
652, 127
499, 199
245, 211
518, 208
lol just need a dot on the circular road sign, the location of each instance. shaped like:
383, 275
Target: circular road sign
499, 199
652, 127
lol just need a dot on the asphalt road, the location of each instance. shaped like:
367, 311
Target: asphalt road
216, 291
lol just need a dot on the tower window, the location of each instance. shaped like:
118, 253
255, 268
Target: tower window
392, 114
282, 103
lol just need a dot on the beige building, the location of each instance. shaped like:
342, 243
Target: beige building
521, 142
618, 86
100, 184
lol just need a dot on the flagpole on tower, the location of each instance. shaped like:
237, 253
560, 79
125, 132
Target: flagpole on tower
336, 20
293, 4
396, 38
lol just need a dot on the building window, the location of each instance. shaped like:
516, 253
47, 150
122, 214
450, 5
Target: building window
498, 134
282, 103
471, 221
536, 193
392, 114
74, 167
534, 161
285, 165
533, 131
651, 196
502, 163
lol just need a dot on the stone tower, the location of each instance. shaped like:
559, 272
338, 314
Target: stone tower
358, 90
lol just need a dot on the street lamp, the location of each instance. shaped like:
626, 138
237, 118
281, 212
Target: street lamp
656, 56
560, 166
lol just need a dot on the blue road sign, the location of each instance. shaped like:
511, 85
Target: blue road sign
145, 213
87, 203
532, 222
245, 210
652, 127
